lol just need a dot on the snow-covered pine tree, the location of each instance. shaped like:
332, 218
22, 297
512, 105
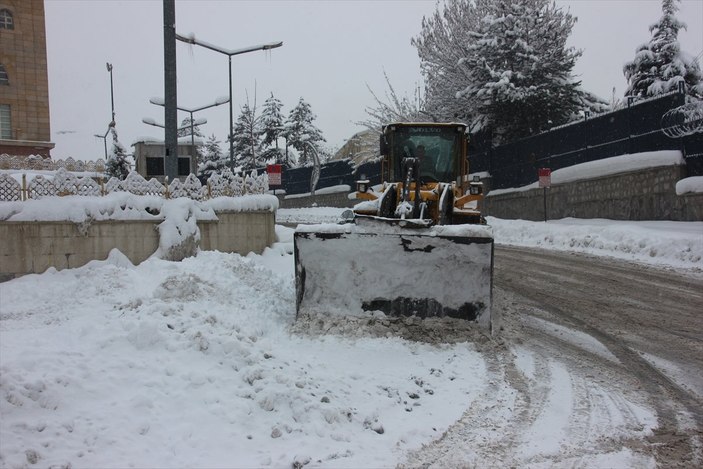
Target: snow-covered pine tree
520, 68
213, 160
300, 130
247, 138
117, 164
272, 128
271, 121
184, 130
660, 65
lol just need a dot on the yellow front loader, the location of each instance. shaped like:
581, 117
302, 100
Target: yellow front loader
415, 245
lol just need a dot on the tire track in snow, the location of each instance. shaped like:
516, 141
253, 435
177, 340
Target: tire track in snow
614, 303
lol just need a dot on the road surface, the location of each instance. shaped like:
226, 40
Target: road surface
608, 353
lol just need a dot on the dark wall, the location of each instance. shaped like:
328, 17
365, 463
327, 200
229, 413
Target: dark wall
634, 129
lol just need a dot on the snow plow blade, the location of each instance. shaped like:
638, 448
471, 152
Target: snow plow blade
442, 271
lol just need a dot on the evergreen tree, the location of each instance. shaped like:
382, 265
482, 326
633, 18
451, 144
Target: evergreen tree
300, 131
271, 121
520, 68
184, 130
272, 128
247, 138
117, 164
660, 65
213, 159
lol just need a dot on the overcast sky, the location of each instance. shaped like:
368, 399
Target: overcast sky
331, 51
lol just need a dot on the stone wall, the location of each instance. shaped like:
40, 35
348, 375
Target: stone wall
648, 194
32, 247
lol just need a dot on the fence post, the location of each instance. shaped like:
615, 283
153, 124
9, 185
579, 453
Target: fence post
630, 100
24, 187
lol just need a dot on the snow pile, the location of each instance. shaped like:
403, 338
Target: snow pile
192, 364
113, 206
690, 185
666, 243
323, 191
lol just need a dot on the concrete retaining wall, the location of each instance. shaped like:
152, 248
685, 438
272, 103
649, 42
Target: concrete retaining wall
648, 194
32, 247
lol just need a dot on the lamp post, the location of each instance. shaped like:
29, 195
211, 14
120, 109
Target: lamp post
191, 111
150, 121
104, 137
112, 107
112, 95
229, 53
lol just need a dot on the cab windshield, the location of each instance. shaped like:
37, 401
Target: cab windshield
437, 148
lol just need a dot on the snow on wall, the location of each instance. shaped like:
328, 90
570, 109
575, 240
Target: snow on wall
607, 167
178, 229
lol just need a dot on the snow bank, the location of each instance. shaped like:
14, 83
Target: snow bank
325, 190
126, 206
690, 185
666, 243
191, 364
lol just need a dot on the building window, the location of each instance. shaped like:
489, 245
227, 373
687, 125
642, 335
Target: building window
5, 122
183, 166
4, 79
6, 20
154, 166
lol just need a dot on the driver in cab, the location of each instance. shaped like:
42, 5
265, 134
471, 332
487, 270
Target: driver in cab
426, 163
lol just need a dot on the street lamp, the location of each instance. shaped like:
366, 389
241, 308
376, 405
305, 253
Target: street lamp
150, 121
160, 102
112, 103
229, 53
104, 137
112, 95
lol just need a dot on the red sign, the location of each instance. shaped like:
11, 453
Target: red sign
545, 177
274, 171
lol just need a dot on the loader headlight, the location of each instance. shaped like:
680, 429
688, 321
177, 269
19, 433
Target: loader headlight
362, 186
474, 189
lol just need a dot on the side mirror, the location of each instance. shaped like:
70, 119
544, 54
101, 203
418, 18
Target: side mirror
383, 145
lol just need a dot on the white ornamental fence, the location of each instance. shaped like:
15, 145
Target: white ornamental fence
63, 183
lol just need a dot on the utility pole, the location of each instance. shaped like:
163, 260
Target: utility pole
170, 91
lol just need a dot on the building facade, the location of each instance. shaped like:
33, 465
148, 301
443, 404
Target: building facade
24, 83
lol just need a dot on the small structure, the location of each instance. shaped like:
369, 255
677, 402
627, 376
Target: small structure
149, 157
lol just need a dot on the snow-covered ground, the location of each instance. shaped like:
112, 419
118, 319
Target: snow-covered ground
195, 364
663, 243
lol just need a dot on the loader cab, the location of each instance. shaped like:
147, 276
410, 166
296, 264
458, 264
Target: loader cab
440, 149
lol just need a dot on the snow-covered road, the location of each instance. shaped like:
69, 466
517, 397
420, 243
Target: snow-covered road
199, 364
